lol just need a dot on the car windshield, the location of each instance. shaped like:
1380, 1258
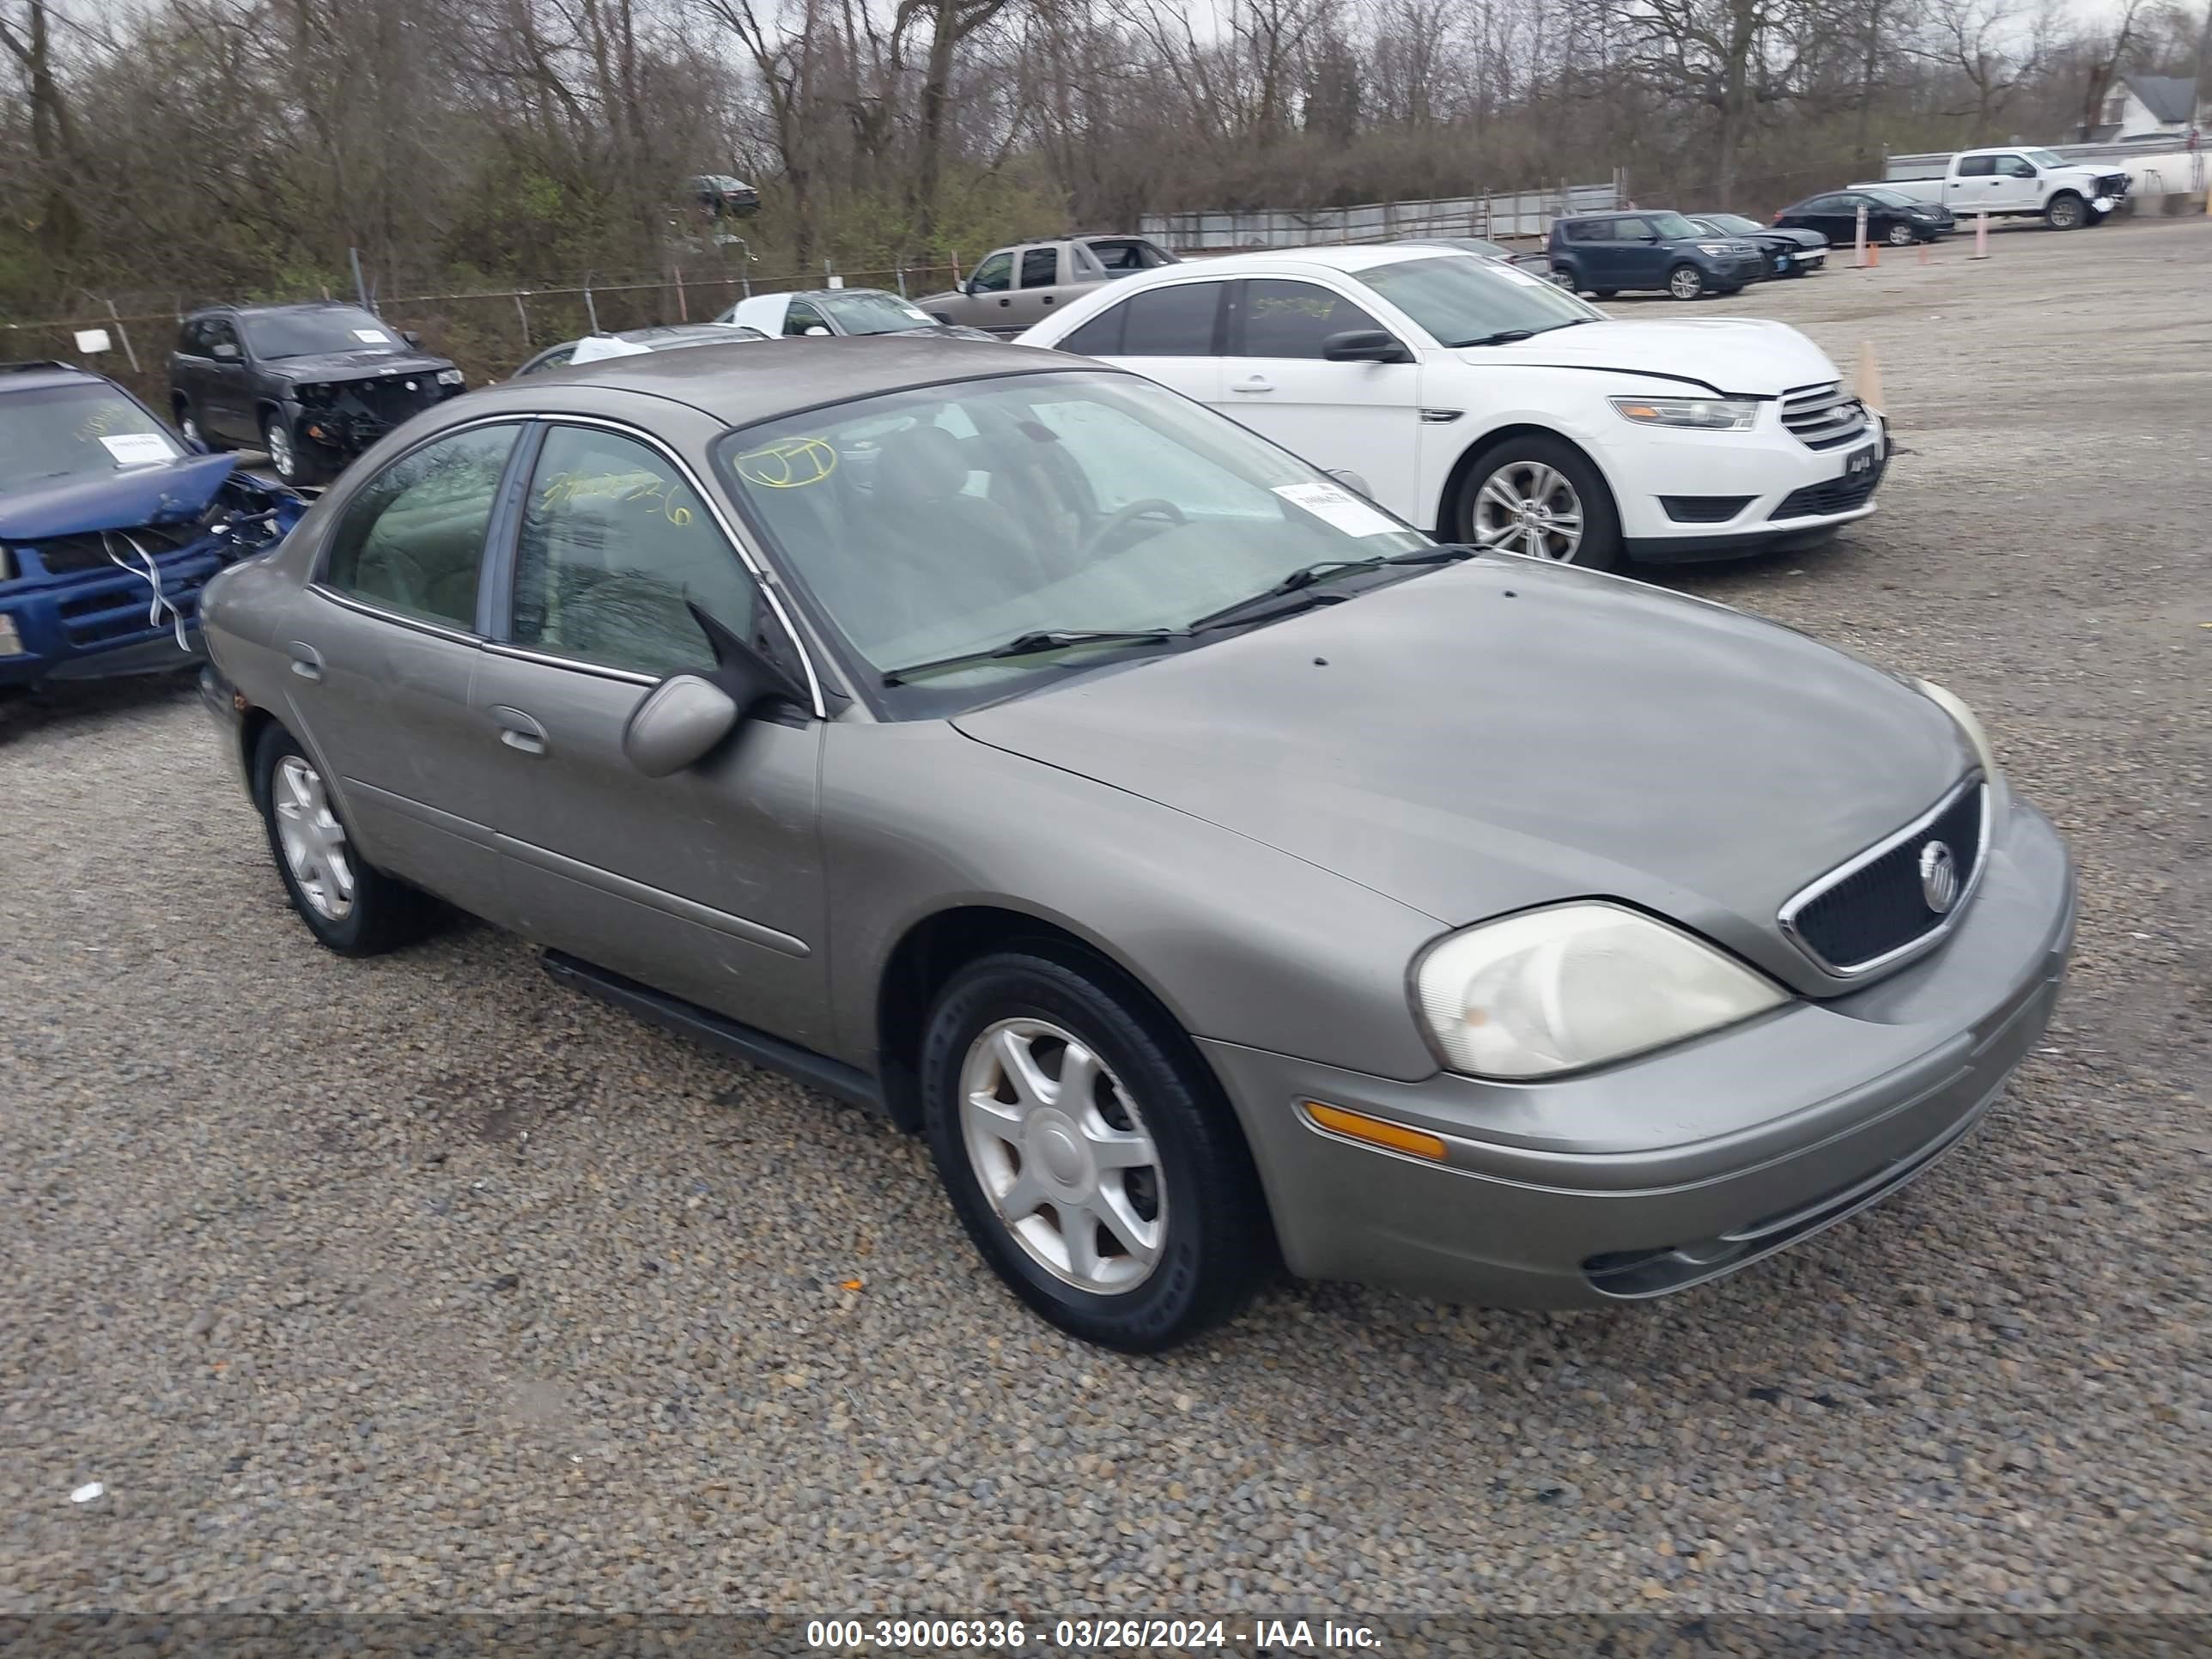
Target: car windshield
873, 313
75, 432
1460, 300
278, 334
931, 523
2046, 158
1731, 224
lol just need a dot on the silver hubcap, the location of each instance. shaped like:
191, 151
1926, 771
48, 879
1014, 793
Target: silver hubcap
280, 449
1685, 285
1562, 279
314, 840
1063, 1156
1900, 235
1526, 506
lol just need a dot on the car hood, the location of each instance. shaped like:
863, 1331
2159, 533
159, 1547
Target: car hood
1804, 238
1743, 355
1505, 734
356, 365
165, 494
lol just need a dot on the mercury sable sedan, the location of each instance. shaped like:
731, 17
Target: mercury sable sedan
1479, 398
1215, 870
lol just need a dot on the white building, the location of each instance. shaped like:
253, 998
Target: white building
2149, 107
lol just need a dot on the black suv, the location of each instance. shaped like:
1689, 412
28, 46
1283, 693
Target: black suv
1604, 253
313, 385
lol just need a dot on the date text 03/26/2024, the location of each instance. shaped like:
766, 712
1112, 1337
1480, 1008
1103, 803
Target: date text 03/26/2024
1009, 1635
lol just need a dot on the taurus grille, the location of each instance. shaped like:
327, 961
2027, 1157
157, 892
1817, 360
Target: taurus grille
1834, 495
1873, 908
1823, 417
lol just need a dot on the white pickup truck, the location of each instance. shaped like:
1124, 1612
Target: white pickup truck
2019, 182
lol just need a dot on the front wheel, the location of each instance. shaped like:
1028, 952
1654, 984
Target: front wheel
2065, 212
1087, 1153
293, 458
1900, 234
351, 908
1542, 498
1605, 293
1686, 282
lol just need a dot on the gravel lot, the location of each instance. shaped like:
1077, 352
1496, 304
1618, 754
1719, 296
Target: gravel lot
423, 1285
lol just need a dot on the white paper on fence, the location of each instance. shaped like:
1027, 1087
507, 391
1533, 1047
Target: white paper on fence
372, 336
92, 340
139, 448
605, 345
1339, 508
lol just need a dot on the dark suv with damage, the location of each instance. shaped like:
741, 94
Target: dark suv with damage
313, 385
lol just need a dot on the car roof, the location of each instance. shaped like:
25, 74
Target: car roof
780, 377
824, 292
41, 375
262, 308
1347, 259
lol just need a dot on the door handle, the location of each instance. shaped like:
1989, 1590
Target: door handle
307, 661
1047, 299
518, 731
1006, 300
1255, 384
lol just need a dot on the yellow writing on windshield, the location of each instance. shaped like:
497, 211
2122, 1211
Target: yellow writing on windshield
637, 487
788, 463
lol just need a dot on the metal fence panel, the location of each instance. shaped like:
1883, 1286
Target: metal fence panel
1502, 213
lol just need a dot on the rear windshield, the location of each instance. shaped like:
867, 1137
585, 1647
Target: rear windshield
74, 432
278, 334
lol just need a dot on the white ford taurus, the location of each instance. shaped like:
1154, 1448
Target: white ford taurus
1479, 400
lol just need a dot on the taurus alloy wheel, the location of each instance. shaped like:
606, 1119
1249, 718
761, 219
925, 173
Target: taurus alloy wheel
314, 841
1529, 506
1061, 1153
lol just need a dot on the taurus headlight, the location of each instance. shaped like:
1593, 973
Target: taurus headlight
1711, 413
1576, 985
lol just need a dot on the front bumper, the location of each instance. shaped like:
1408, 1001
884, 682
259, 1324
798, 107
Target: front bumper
1658, 1173
94, 624
1780, 493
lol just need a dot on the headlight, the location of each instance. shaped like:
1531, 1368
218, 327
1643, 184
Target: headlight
1951, 705
1576, 985
450, 377
1710, 414
1718, 249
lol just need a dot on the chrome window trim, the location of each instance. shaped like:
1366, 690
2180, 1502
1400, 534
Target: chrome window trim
401, 618
711, 502
520, 421
1928, 941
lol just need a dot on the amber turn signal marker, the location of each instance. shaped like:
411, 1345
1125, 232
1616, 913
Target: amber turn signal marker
1374, 1131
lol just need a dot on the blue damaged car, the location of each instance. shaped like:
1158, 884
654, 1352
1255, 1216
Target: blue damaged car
109, 527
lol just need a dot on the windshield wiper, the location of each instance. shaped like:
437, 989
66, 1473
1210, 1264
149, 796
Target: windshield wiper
1256, 608
1503, 337
1035, 644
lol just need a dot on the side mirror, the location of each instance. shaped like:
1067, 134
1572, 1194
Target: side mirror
1352, 482
225, 353
679, 721
1364, 345
682, 718
818, 332
410, 336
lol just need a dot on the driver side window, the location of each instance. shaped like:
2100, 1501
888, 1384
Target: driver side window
995, 275
614, 550
801, 316
412, 540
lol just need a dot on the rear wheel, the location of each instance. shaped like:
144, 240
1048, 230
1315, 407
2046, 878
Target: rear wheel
354, 910
1541, 497
1087, 1153
1563, 277
1605, 293
188, 423
295, 460
1686, 282
2066, 211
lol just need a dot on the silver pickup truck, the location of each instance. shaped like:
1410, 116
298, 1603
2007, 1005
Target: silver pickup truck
1016, 287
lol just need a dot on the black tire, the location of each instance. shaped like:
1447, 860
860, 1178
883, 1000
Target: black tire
384, 913
1605, 293
1898, 234
2065, 211
1686, 282
189, 427
1601, 547
1217, 1241
1564, 276
297, 460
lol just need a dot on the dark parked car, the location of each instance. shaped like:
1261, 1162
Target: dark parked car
669, 336
724, 196
820, 311
1897, 219
1787, 253
1604, 253
109, 528
313, 385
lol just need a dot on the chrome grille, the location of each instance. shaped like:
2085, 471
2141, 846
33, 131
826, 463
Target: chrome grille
1872, 911
1823, 417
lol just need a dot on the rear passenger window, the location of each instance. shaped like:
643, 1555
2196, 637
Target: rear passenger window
1039, 267
1976, 167
1588, 230
1171, 322
412, 540
614, 550
1292, 319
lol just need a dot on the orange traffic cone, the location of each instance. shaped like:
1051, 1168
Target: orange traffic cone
1873, 256
1923, 252
1866, 379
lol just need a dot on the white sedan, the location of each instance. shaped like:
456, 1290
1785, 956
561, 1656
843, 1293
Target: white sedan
1479, 400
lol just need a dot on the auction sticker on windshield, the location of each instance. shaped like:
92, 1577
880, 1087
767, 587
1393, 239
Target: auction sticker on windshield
138, 448
1335, 507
